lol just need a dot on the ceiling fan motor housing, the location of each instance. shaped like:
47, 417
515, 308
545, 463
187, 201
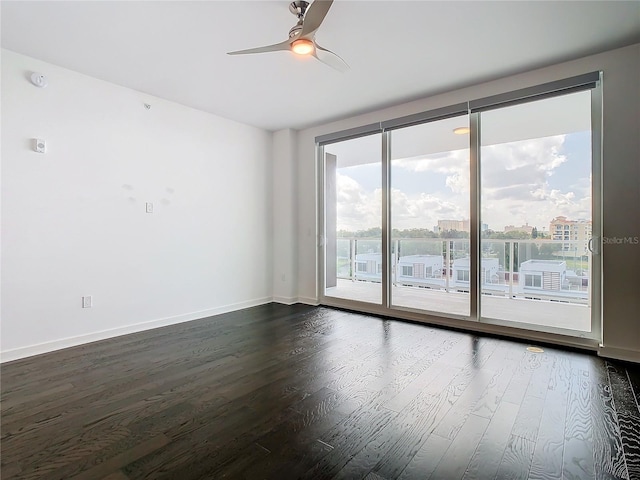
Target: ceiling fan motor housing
298, 8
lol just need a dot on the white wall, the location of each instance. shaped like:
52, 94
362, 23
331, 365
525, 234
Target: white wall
621, 182
74, 221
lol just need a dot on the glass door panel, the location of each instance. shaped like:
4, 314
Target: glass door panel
353, 219
536, 213
429, 217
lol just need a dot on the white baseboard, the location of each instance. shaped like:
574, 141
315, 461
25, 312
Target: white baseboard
285, 300
30, 350
291, 300
620, 354
309, 301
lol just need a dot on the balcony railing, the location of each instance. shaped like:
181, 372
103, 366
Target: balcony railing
536, 269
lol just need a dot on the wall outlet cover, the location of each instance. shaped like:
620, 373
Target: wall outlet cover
87, 301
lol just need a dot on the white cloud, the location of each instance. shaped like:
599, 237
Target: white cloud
515, 184
422, 210
515, 189
357, 209
447, 162
454, 164
527, 163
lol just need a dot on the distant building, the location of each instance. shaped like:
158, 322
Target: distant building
489, 273
412, 268
538, 275
368, 266
524, 229
459, 225
575, 234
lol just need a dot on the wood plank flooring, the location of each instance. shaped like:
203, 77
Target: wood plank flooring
286, 392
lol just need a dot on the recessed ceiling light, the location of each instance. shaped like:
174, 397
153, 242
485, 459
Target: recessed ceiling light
461, 130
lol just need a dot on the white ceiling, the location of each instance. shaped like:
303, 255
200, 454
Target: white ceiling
398, 51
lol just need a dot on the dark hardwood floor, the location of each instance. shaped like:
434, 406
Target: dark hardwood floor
285, 392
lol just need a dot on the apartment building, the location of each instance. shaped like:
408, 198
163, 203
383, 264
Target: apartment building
575, 234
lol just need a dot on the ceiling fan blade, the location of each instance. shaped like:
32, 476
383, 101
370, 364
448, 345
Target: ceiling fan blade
329, 58
314, 16
286, 45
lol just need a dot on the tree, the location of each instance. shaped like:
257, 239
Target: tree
453, 234
505, 235
534, 233
547, 250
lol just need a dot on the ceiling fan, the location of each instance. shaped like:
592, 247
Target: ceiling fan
301, 39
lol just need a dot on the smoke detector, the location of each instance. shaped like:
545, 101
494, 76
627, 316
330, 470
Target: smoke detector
39, 80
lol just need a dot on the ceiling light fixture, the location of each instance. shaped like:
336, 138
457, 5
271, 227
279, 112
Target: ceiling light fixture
461, 130
302, 35
302, 47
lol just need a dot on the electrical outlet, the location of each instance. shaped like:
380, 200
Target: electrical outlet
87, 302
149, 207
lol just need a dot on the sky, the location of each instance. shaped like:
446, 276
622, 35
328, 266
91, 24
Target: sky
528, 181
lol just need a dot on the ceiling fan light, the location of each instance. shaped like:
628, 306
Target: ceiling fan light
302, 47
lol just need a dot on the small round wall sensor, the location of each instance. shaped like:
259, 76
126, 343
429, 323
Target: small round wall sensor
39, 80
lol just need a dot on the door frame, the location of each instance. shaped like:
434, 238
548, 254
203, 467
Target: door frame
590, 340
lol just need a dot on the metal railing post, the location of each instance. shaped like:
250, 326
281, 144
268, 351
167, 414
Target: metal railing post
511, 270
589, 289
352, 257
396, 255
447, 262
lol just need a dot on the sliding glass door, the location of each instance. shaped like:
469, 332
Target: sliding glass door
536, 206
429, 216
486, 211
353, 220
